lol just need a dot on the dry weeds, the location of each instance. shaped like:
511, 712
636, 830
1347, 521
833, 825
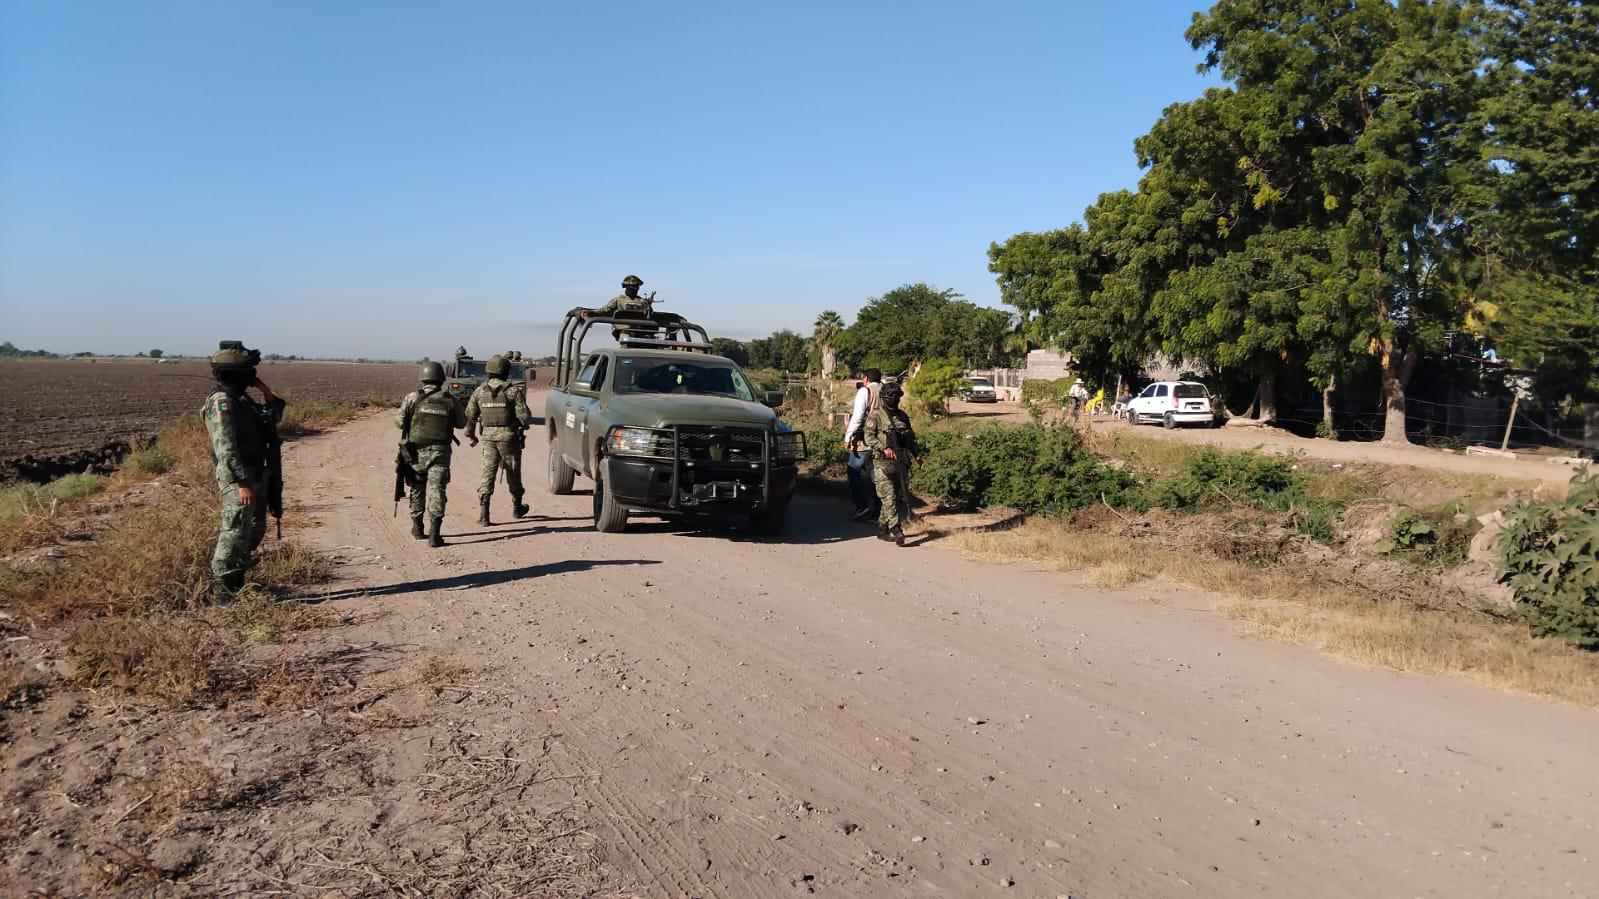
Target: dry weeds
1339, 619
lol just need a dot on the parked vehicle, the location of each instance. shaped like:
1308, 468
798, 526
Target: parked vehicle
664, 427
978, 390
1173, 403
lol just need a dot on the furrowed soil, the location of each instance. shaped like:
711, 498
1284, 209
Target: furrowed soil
825, 713
51, 406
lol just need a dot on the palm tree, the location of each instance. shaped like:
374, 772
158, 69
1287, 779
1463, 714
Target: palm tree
828, 326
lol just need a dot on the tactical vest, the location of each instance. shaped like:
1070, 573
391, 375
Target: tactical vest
432, 419
496, 411
248, 434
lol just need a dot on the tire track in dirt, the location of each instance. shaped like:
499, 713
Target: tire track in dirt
738, 702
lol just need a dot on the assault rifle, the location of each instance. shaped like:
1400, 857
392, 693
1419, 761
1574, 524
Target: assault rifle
274, 459
902, 468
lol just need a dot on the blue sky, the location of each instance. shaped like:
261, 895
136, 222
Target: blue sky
393, 179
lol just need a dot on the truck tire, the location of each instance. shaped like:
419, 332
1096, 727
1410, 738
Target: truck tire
560, 473
770, 522
609, 515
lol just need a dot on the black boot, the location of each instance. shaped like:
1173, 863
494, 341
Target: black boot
416, 528
883, 533
483, 512
231, 583
434, 537
897, 534
519, 508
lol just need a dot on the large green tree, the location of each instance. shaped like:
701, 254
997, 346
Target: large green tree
916, 322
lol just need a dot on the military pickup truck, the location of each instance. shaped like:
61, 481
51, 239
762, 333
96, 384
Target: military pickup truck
664, 427
466, 374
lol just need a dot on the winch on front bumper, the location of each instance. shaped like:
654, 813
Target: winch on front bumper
702, 469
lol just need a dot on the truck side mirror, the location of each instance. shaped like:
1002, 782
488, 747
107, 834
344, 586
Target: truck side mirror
773, 398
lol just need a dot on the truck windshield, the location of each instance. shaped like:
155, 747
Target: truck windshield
469, 369
981, 382
646, 374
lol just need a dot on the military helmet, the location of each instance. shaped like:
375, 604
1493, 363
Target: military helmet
232, 356
632, 281
891, 391
497, 367
432, 373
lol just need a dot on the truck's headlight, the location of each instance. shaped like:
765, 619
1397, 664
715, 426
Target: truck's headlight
788, 446
640, 442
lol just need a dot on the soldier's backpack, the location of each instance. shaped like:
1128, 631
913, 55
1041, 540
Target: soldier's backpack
432, 419
496, 412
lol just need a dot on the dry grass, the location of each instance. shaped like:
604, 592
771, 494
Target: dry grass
1337, 619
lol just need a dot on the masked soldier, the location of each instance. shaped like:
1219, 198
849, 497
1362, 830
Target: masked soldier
244, 447
893, 444
501, 407
628, 302
427, 421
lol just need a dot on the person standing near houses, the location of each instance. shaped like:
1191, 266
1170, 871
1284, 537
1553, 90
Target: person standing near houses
860, 457
501, 407
427, 421
243, 436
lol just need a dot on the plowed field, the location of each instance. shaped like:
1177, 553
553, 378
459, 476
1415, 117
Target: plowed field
51, 406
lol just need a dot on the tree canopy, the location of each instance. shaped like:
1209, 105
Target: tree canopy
1374, 176
916, 322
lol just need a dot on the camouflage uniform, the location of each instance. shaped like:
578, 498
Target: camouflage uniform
500, 400
238, 435
887, 428
431, 462
622, 304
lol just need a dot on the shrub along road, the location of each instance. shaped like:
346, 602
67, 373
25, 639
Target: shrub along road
1276, 440
827, 712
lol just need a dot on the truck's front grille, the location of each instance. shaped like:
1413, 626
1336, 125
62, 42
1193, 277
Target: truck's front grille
713, 444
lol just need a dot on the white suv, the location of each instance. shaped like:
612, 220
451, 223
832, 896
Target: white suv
1172, 403
979, 390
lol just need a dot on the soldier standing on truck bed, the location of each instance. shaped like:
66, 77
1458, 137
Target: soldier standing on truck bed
893, 444
244, 447
501, 407
628, 302
427, 421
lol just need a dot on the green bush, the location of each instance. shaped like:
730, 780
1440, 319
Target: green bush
1032, 468
1551, 552
1039, 392
1425, 537
937, 381
21, 500
1214, 477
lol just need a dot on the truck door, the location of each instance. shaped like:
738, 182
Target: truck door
581, 395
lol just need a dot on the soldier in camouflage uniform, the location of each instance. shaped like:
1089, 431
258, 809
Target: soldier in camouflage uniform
242, 434
893, 445
427, 421
501, 407
628, 302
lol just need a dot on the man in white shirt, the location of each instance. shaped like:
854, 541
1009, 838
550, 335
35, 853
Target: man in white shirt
860, 479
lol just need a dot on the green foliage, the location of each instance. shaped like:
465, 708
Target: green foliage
916, 323
155, 354
783, 351
1551, 552
731, 349
1215, 477
21, 500
1427, 537
936, 382
1039, 392
1407, 531
1371, 176
1039, 469
8, 350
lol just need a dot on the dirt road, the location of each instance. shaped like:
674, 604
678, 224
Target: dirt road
828, 713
